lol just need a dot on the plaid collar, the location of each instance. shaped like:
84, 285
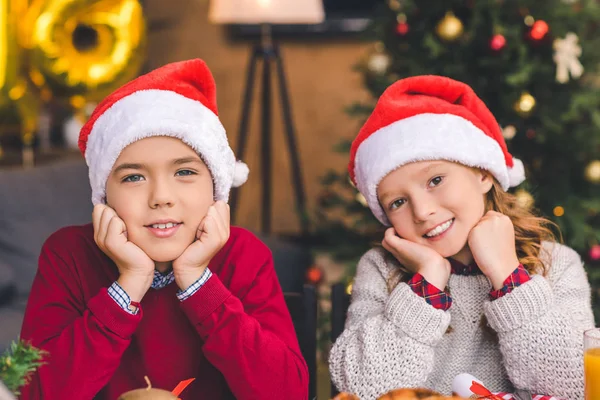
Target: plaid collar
459, 268
160, 280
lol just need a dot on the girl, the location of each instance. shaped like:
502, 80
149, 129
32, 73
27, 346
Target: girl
467, 280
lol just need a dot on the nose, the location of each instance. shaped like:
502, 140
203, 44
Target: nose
161, 194
423, 207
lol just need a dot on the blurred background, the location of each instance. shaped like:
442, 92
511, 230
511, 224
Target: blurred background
295, 80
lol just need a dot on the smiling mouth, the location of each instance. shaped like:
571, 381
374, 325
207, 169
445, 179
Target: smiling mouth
167, 225
438, 230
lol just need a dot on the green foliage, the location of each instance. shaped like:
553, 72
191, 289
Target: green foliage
17, 363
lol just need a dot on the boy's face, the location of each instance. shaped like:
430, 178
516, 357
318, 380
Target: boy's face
435, 203
162, 190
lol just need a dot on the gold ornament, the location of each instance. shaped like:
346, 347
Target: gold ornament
525, 105
394, 5
558, 211
524, 198
349, 288
592, 171
84, 47
16, 94
449, 28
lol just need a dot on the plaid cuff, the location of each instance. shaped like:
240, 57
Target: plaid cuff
194, 287
432, 295
517, 278
122, 298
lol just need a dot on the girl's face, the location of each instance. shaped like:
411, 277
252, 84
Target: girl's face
435, 203
161, 189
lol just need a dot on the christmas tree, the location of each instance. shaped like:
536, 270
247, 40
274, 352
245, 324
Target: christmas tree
536, 65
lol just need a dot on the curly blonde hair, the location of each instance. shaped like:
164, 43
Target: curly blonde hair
530, 231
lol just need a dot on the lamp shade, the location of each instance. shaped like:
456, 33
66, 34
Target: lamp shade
266, 11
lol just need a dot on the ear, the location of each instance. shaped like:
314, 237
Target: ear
485, 181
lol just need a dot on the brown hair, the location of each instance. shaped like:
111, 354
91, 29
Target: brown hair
530, 231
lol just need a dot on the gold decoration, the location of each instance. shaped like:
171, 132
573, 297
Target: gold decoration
449, 28
529, 20
16, 94
592, 172
361, 199
83, 47
525, 105
394, 5
558, 211
524, 198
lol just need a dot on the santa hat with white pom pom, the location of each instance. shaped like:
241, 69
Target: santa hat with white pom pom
177, 100
428, 118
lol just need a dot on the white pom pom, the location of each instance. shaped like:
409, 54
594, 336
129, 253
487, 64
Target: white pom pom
516, 174
71, 129
240, 174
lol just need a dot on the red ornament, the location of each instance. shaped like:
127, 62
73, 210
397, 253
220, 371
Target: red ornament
498, 42
314, 275
595, 252
539, 30
530, 133
402, 28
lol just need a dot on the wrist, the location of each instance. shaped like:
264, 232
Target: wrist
437, 274
185, 278
135, 286
499, 276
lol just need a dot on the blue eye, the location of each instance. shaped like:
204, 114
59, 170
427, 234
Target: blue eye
435, 181
185, 172
133, 178
396, 204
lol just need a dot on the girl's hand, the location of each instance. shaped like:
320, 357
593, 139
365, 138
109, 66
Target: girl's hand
418, 258
212, 234
492, 243
135, 267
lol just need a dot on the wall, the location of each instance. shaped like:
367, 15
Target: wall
320, 82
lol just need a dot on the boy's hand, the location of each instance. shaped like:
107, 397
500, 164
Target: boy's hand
211, 236
135, 267
418, 258
492, 243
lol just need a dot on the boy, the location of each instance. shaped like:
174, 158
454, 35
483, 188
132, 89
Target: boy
159, 285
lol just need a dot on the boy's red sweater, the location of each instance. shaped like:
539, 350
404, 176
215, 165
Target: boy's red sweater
235, 335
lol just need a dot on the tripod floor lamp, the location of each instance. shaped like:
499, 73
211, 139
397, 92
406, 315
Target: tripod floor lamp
266, 51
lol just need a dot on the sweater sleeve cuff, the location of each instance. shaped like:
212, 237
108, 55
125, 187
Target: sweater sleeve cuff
526, 303
183, 295
415, 317
432, 295
120, 296
111, 315
518, 277
204, 302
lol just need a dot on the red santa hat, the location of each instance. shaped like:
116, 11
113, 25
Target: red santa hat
176, 100
429, 118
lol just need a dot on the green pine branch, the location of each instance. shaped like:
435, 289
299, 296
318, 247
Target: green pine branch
17, 363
